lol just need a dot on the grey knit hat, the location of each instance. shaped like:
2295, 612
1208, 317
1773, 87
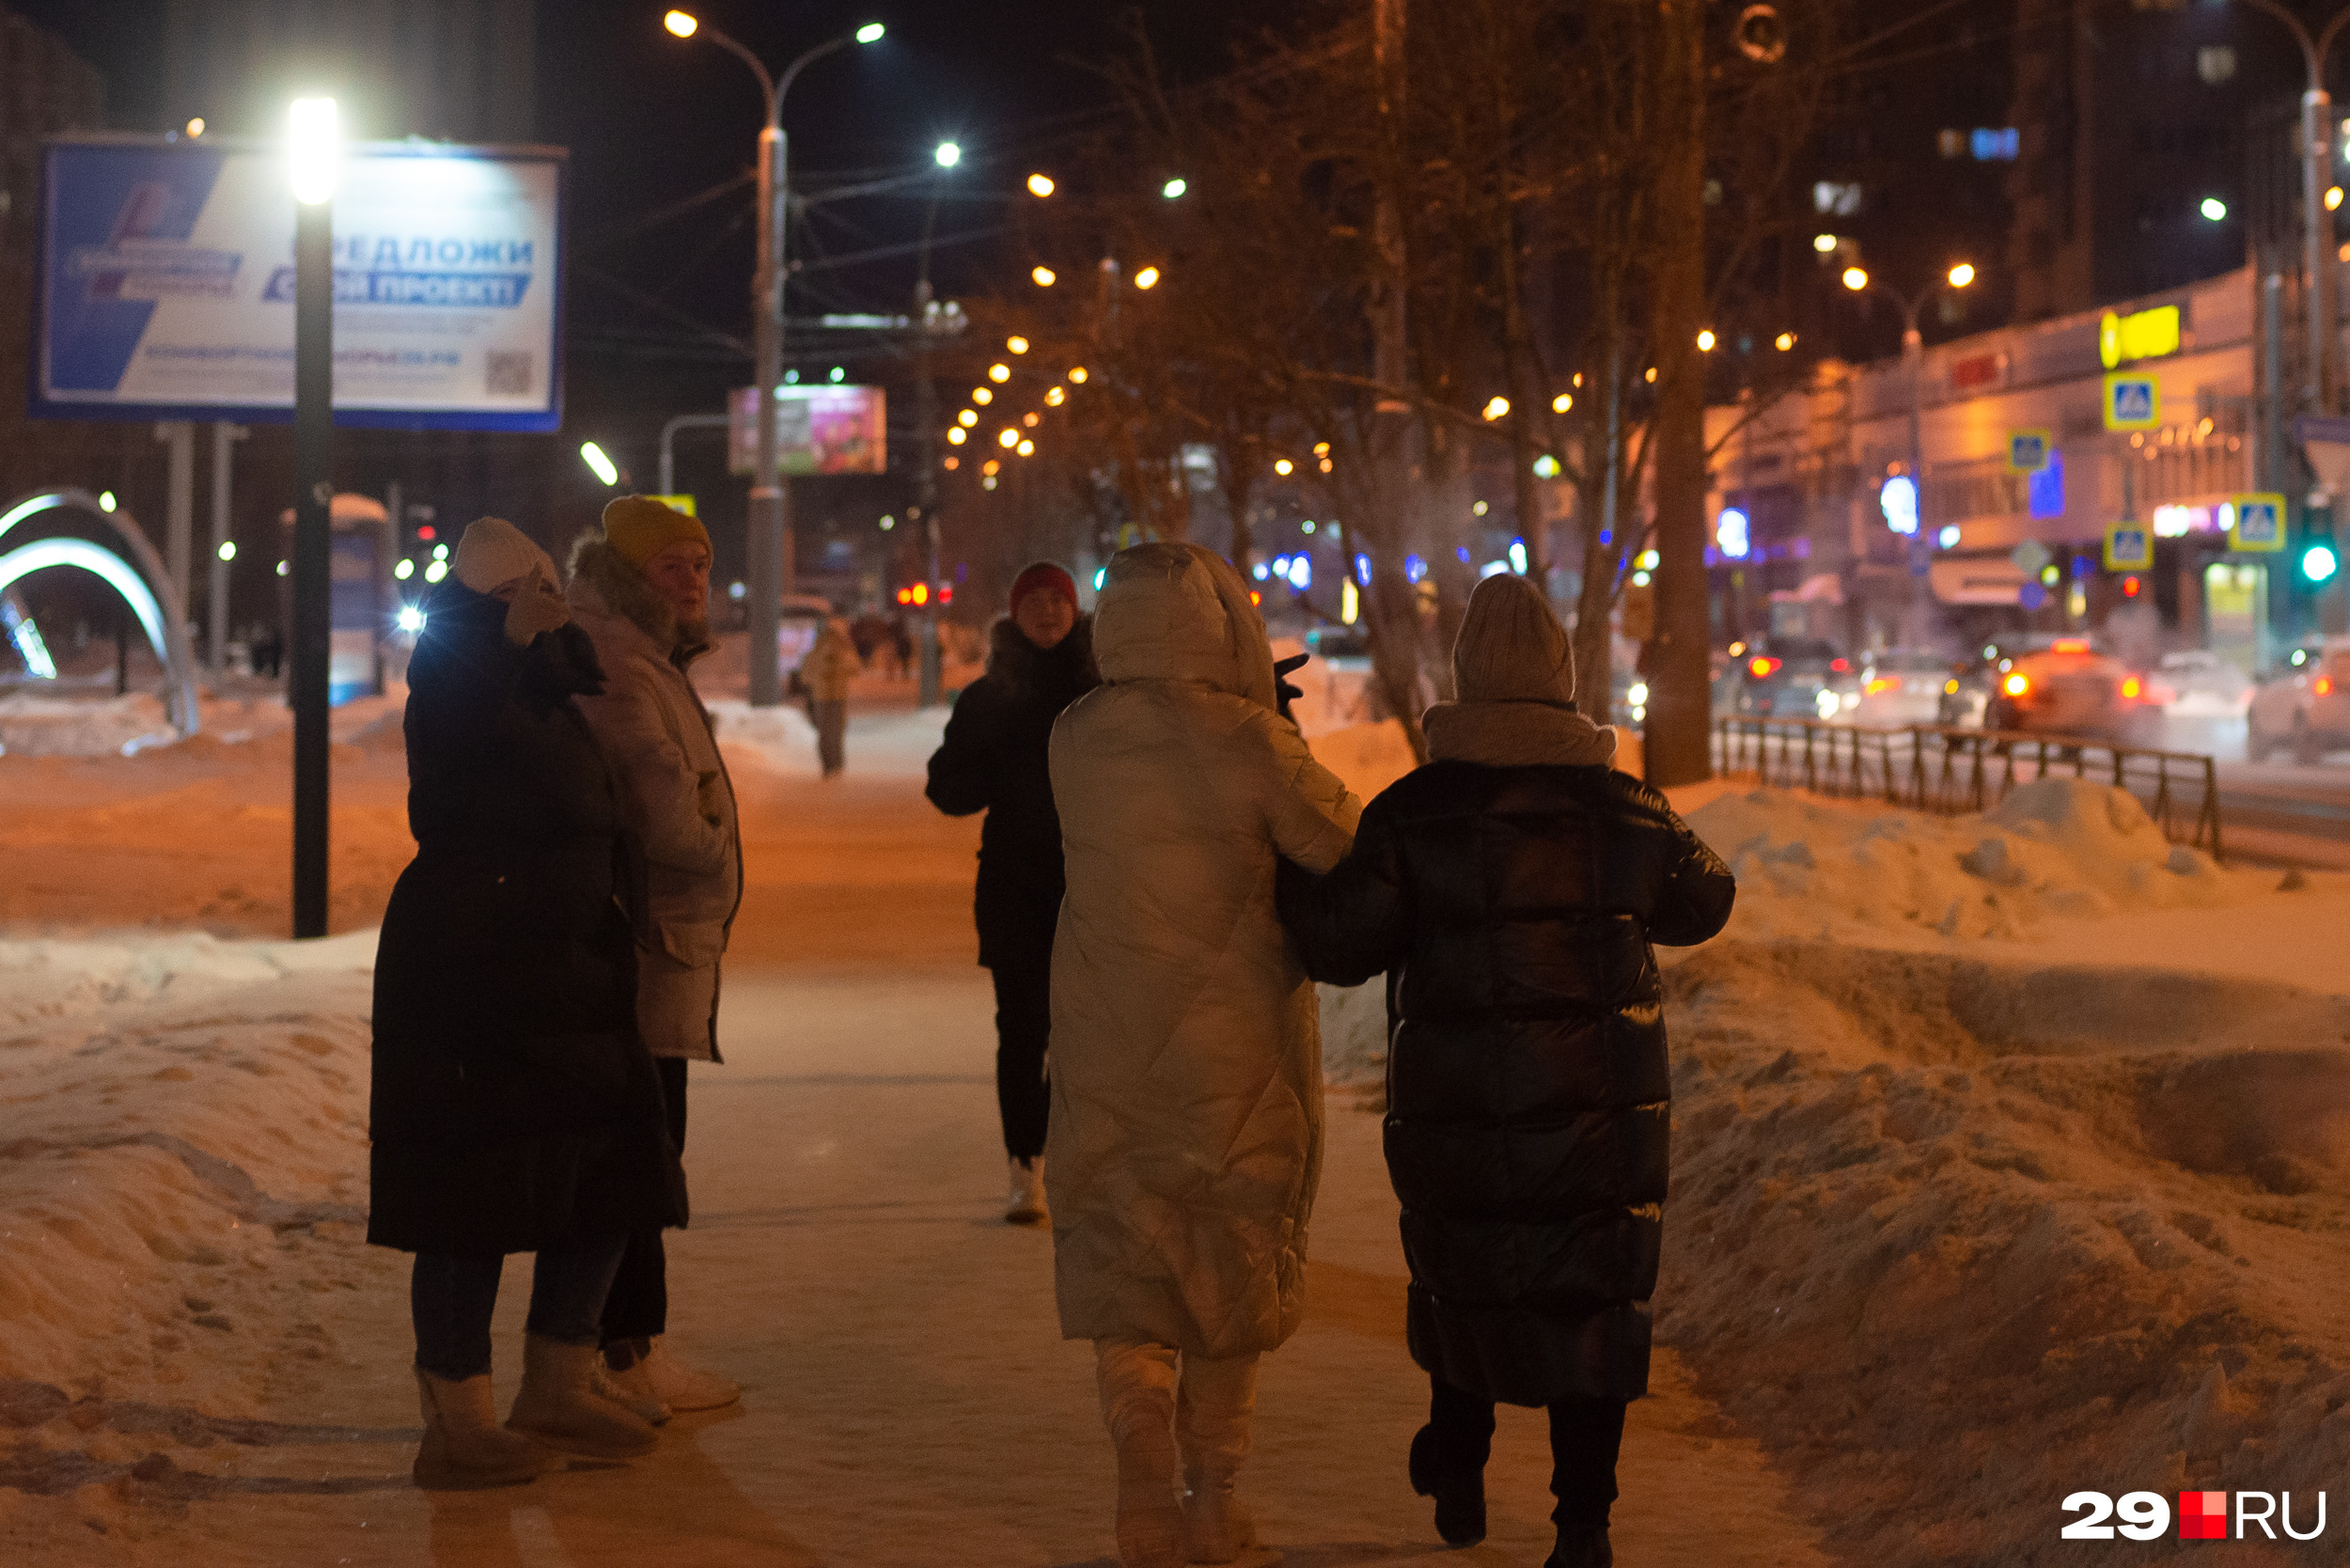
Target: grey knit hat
1511, 647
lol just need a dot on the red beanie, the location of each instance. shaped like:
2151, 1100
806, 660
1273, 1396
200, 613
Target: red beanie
1043, 577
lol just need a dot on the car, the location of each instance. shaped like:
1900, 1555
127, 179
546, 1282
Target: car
1791, 678
2070, 688
1898, 687
2306, 710
2198, 684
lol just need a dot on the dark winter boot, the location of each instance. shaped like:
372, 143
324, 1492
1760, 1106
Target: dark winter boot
1582, 1546
1459, 1494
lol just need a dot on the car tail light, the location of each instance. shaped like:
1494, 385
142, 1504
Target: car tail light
2324, 686
2017, 685
1883, 683
2132, 687
1840, 666
1762, 667
2069, 645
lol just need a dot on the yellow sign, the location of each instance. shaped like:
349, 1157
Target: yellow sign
2129, 547
2259, 522
2027, 451
2141, 334
677, 503
2132, 402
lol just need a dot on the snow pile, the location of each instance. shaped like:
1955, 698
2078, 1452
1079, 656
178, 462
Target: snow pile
1962, 1238
33, 725
183, 1177
2056, 848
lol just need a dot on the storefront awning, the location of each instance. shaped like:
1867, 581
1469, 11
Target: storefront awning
1992, 581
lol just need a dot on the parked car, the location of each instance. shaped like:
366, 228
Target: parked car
2072, 689
1898, 686
1791, 678
2198, 684
2306, 711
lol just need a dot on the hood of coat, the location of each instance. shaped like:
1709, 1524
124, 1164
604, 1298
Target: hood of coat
604, 582
1067, 667
1177, 612
557, 663
1516, 735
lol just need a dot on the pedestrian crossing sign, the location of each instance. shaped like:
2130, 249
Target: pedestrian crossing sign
2027, 451
2260, 521
2129, 547
2132, 402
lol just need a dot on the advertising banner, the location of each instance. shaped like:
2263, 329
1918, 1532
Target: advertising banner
167, 284
818, 430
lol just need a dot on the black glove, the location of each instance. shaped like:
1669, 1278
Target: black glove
1282, 690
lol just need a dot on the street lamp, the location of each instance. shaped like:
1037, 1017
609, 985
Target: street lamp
314, 159
1914, 357
770, 521
2316, 154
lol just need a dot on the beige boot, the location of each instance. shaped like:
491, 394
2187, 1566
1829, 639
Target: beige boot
1149, 1521
560, 1407
1217, 1527
463, 1447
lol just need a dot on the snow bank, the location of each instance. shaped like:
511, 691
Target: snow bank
46, 979
2056, 848
36, 726
1963, 1237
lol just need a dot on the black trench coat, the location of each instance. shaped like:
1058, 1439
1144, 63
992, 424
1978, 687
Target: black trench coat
1511, 909
513, 1103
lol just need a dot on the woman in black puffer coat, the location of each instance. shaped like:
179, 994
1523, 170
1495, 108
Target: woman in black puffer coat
1039, 661
514, 1107
1510, 890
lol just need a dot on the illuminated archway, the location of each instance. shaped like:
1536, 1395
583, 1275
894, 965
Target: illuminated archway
165, 625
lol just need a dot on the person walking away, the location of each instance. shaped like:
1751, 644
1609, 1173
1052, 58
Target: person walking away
513, 1107
995, 759
827, 671
640, 590
1185, 1139
1509, 889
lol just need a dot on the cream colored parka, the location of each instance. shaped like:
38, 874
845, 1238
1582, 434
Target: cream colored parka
1185, 1140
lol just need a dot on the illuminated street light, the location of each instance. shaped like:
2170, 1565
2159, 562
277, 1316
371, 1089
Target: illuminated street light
598, 463
1044, 276
1496, 407
680, 23
313, 147
1054, 396
1039, 184
948, 155
228, 549
1077, 375
1784, 341
1961, 275
957, 435
870, 33
967, 418
196, 126
1010, 437
981, 395
1174, 188
1000, 373
1147, 278
1026, 449
1705, 341
1017, 345
1562, 403
1824, 242
1284, 467
2215, 209
1855, 278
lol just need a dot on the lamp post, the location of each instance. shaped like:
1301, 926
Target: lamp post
313, 154
1914, 360
927, 322
2318, 249
770, 521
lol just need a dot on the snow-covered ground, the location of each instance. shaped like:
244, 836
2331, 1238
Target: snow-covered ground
2000, 1174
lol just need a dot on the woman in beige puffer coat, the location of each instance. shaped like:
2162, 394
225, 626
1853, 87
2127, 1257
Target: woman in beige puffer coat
1186, 1118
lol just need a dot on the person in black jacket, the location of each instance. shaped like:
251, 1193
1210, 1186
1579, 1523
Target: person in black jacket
1040, 659
1510, 890
514, 1107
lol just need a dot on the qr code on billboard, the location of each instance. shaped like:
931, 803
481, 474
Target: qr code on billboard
508, 371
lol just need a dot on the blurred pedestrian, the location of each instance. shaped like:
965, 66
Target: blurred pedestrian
900, 649
513, 1107
1040, 660
1185, 1143
640, 588
1510, 890
827, 671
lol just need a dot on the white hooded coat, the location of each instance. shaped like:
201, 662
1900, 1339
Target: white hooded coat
1186, 1060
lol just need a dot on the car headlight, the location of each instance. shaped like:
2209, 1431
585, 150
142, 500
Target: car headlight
1826, 704
1850, 700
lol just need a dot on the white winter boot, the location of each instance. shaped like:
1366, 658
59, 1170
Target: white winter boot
1025, 1206
681, 1387
1214, 1403
620, 1376
1138, 1385
464, 1448
559, 1405
1217, 1525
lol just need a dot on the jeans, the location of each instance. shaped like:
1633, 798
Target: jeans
638, 1306
1024, 1025
1585, 1436
451, 1299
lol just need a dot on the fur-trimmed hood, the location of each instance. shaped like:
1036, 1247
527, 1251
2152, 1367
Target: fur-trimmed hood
1066, 669
605, 581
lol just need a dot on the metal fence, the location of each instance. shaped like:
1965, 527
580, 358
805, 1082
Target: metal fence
1953, 771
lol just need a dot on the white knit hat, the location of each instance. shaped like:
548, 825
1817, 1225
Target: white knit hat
493, 551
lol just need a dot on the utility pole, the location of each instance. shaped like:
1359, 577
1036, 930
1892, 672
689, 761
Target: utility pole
225, 437
314, 494
2318, 238
926, 486
1679, 745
